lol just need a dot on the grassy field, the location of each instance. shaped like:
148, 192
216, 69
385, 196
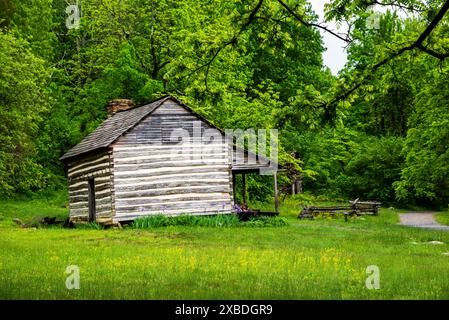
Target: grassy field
443, 218
321, 259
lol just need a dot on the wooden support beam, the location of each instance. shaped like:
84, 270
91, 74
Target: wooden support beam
276, 193
244, 187
233, 188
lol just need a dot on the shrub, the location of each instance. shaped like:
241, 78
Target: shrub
222, 220
373, 170
151, 222
305, 199
217, 221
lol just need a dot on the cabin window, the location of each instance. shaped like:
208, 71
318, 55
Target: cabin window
91, 199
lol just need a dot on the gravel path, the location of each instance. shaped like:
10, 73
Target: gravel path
421, 220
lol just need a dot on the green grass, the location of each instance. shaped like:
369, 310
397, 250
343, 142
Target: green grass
321, 259
443, 218
217, 221
221, 221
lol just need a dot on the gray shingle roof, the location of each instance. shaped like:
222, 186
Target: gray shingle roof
112, 128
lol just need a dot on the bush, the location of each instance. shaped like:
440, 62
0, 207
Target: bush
217, 221
373, 170
151, 222
305, 199
223, 220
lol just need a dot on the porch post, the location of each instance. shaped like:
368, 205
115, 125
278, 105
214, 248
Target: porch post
244, 188
276, 193
233, 187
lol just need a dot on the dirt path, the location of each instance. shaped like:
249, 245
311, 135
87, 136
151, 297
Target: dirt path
421, 220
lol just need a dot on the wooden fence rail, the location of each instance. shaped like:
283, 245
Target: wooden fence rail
356, 208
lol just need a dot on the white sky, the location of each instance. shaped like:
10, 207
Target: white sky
335, 55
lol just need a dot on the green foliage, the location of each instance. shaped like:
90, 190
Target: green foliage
263, 222
351, 164
325, 154
372, 170
23, 104
90, 226
443, 217
123, 78
35, 22
27, 210
239, 70
317, 259
426, 173
305, 199
216, 221
404, 106
156, 221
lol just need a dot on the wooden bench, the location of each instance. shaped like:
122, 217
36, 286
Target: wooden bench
356, 208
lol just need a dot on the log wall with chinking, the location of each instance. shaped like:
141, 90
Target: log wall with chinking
98, 167
158, 172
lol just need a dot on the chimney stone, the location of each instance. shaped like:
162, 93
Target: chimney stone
119, 105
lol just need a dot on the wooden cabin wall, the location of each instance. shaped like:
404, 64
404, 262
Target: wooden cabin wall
153, 175
97, 166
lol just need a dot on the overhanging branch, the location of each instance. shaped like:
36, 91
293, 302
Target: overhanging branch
397, 4
311, 24
248, 22
418, 44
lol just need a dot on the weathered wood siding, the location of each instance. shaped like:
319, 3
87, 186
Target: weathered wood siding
96, 166
155, 175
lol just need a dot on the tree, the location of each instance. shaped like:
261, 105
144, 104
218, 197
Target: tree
372, 170
23, 103
426, 173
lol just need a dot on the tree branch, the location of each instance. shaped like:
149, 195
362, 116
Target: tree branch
398, 5
311, 24
233, 40
418, 44
251, 18
433, 53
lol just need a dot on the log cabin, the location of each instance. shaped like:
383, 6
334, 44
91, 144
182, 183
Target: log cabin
138, 162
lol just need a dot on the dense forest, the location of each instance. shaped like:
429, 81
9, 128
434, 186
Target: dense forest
378, 130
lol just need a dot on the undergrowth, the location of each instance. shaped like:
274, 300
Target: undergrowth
218, 221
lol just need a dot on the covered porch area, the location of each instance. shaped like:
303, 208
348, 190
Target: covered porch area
253, 164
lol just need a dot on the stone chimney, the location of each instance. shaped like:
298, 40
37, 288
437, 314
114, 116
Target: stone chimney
119, 105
